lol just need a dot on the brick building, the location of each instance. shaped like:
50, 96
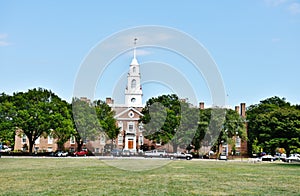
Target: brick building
127, 116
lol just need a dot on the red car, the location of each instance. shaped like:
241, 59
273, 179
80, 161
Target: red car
81, 153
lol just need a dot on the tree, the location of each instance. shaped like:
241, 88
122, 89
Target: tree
169, 119
161, 118
189, 119
85, 119
62, 121
106, 119
39, 112
217, 126
234, 125
274, 123
7, 111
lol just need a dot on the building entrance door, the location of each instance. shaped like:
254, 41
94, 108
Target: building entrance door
130, 144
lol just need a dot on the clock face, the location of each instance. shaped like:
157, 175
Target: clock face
133, 100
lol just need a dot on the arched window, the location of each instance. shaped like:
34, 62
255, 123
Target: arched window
133, 69
133, 84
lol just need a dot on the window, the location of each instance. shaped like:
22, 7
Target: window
120, 139
50, 140
141, 140
37, 141
133, 84
49, 149
158, 142
130, 128
102, 139
133, 69
72, 149
72, 140
85, 140
97, 150
36, 149
238, 142
24, 137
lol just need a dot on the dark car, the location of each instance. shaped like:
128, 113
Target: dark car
126, 153
81, 153
116, 152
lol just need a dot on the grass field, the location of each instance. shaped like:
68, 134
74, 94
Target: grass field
90, 176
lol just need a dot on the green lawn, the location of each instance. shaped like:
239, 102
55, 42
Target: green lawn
90, 176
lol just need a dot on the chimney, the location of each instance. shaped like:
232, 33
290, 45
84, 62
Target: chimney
85, 99
201, 105
243, 109
237, 109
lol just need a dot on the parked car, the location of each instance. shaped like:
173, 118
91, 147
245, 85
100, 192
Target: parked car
293, 158
156, 153
268, 158
81, 153
116, 152
126, 153
223, 157
5, 148
181, 155
61, 154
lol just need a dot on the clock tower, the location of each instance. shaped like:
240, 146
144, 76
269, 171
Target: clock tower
133, 91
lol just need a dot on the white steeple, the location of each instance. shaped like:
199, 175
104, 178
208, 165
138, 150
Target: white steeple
134, 60
133, 91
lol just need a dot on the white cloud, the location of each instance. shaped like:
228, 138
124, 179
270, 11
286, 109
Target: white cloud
3, 41
3, 36
275, 3
294, 8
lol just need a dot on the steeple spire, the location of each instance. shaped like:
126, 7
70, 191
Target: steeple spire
134, 50
134, 60
133, 91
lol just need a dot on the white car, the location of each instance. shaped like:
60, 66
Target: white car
61, 154
223, 157
181, 155
293, 158
5, 149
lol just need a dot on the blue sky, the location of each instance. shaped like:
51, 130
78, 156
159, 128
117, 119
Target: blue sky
256, 44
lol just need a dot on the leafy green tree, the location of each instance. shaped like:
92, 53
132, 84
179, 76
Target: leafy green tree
189, 119
203, 127
39, 112
234, 125
161, 118
106, 119
7, 112
167, 119
274, 123
62, 122
85, 119
217, 126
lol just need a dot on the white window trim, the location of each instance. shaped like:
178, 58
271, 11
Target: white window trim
24, 137
102, 139
72, 140
133, 128
238, 142
50, 139
120, 139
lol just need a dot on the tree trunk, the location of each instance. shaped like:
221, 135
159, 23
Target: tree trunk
31, 143
80, 144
